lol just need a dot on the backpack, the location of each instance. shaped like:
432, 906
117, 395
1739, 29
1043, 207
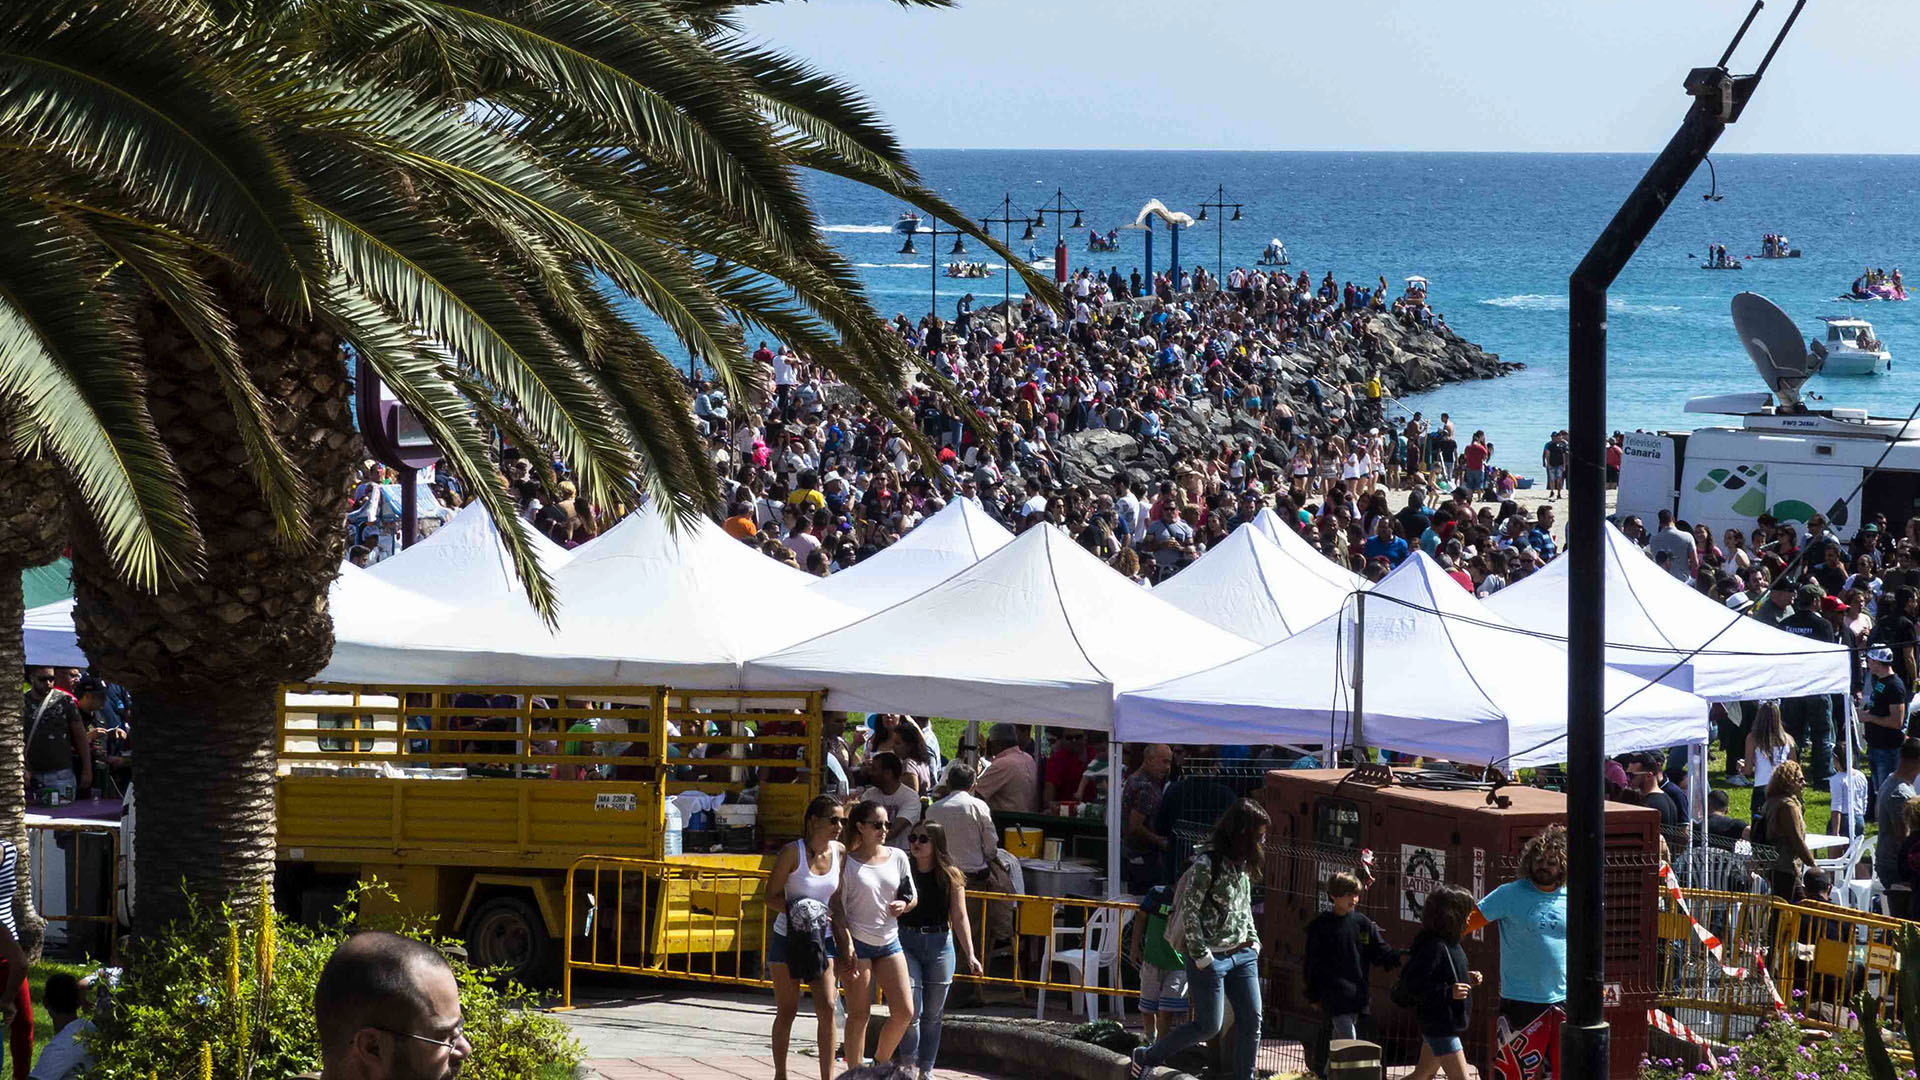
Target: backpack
1177, 921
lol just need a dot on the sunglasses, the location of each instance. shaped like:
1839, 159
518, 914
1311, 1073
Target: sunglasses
919, 838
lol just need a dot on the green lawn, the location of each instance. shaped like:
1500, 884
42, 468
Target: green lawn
949, 733
1818, 803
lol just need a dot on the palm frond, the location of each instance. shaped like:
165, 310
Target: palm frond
65, 344
648, 82
408, 364
140, 103
173, 275
498, 177
1039, 286
826, 111
385, 249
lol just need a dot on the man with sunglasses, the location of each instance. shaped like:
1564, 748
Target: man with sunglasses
56, 737
387, 1008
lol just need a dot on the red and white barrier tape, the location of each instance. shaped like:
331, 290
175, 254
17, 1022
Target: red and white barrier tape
1713, 944
1661, 1021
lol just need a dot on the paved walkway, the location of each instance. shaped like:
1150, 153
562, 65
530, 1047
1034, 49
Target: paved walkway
683, 1032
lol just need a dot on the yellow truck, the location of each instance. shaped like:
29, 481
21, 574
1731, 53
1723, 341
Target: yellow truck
471, 805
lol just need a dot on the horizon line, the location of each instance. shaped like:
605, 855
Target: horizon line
1378, 150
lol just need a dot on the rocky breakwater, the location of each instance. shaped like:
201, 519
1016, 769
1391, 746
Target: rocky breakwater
1409, 359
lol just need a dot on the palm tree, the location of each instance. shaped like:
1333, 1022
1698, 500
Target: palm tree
206, 202
33, 528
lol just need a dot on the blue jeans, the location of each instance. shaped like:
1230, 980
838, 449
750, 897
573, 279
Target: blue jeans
1235, 977
930, 963
1880, 765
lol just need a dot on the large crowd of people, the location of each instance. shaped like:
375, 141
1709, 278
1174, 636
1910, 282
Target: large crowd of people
874, 893
816, 478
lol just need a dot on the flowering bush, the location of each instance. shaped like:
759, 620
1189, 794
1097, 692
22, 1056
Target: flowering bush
1774, 1052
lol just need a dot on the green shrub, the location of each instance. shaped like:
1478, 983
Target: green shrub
1774, 1052
197, 993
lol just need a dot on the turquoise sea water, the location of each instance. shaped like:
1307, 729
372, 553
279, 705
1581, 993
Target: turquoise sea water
1497, 234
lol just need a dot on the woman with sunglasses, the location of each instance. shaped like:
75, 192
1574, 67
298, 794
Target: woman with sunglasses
876, 889
808, 868
928, 934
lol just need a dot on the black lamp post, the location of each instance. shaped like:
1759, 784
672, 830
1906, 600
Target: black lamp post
1005, 220
1221, 204
935, 232
1060, 209
1718, 98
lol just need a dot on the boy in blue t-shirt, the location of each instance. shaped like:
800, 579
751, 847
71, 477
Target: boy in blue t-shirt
1163, 971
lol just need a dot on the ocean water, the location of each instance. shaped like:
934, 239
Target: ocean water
1496, 234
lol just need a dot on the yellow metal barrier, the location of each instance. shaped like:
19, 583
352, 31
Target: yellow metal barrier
640, 916
679, 920
1774, 956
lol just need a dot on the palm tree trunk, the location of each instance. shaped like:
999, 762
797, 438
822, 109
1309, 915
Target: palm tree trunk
203, 659
13, 765
208, 833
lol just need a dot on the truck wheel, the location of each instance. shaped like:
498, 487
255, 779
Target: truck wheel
507, 933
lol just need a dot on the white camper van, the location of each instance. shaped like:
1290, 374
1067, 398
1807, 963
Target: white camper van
1777, 456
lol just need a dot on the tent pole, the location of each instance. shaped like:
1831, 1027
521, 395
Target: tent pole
1357, 734
1697, 813
1115, 755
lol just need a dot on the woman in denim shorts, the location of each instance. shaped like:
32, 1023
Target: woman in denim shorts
876, 888
1437, 979
807, 869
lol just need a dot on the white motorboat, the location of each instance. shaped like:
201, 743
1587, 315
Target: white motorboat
1851, 348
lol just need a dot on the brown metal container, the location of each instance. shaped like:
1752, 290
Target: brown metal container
1324, 818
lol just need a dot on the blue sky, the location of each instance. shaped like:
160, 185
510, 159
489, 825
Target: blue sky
1524, 75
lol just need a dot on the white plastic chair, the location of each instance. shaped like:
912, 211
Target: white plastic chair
1841, 868
1101, 938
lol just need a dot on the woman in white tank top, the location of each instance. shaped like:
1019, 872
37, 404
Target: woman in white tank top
809, 868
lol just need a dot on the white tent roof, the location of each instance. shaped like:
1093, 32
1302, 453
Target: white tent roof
1248, 586
1294, 547
51, 639
465, 563
364, 608
1654, 620
951, 540
1040, 630
642, 605
1448, 680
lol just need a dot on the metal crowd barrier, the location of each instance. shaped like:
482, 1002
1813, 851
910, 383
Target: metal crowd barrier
682, 920
1729, 959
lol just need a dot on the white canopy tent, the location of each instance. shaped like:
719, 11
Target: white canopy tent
1451, 680
465, 563
1040, 631
951, 540
365, 610
644, 604
51, 640
1294, 547
1247, 585
1655, 621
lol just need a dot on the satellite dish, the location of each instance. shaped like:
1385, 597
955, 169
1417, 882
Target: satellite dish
1775, 346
